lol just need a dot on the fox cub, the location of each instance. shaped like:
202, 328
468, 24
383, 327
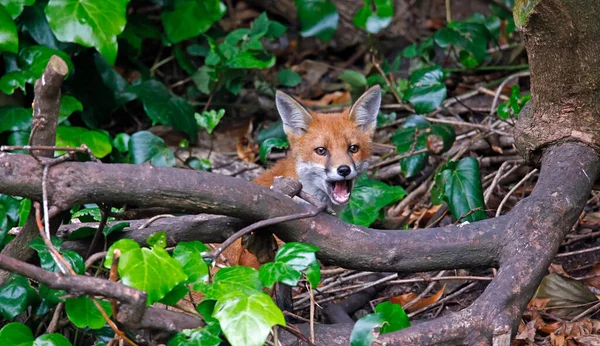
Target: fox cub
327, 152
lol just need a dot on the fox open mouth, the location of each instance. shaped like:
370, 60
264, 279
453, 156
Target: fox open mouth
340, 191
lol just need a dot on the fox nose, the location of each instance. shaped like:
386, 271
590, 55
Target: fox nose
344, 170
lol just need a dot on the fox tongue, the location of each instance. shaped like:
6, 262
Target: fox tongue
340, 188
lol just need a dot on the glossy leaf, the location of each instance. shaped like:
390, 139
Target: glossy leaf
427, 89
199, 164
247, 59
208, 120
9, 41
158, 239
317, 18
117, 227
368, 198
68, 105
123, 245
362, 333
313, 273
189, 255
471, 38
16, 334
269, 144
15, 7
89, 23
190, 18
459, 184
121, 142
144, 147
205, 336
376, 21
71, 136
246, 319
394, 317
288, 78
82, 233
165, 108
13, 80
355, 79
231, 279
289, 263
83, 312
150, 270
175, 295
34, 60
273, 130
52, 340
15, 118
15, 296
73, 258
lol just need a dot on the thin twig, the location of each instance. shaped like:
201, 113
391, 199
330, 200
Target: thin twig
501, 86
443, 300
312, 313
571, 253
513, 190
425, 292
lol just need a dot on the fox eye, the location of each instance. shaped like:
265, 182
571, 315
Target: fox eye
353, 149
321, 151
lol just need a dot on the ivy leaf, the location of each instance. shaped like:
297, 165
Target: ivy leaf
291, 259
313, 273
121, 142
189, 255
89, 23
376, 21
206, 336
9, 41
248, 59
288, 78
34, 60
202, 78
459, 184
471, 38
362, 333
273, 130
16, 334
246, 319
175, 295
73, 258
199, 164
356, 80
165, 108
98, 141
15, 118
190, 18
394, 316
144, 147
208, 120
52, 340
317, 18
158, 239
150, 270
82, 233
15, 7
269, 144
118, 227
68, 105
15, 296
83, 312
368, 198
35, 23
231, 279
427, 89
14, 80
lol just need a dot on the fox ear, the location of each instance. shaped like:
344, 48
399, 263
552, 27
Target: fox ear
365, 109
295, 117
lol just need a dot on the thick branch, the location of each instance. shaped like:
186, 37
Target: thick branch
71, 183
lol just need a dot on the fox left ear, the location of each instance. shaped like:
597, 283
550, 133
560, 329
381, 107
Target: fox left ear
365, 109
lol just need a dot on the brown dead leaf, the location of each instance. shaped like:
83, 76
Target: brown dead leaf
558, 269
526, 333
588, 340
416, 215
538, 303
595, 281
421, 303
246, 147
334, 98
557, 340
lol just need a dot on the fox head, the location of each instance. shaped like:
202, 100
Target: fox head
330, 149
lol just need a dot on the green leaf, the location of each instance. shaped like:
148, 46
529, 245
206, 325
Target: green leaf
15, 118
394, 316
89, 23
144, 147
52, 340
34, 60
87, 213
208, 120
313, 273
24, 208
202, 79
273, 272
16, 334
150, 270
165, 108
123, 245
427, 89
231, 279
276, 29
73, 258
317, 18
35, 23
98, 141
368, 198
376, 21
355, 79
206, 336
247, 59
362, 333
175, 295
269, 144
471, 38
68, 105
289, 263
199, 164
83, 313
246, 320
288, 78
121, 142
158, 239
15, 7
15, 296
460, 186
273, 130
504, 110
14, 80
118, 227
189, 255
9, 41
190, 18
82, 233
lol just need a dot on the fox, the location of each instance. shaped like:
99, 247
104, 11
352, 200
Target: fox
327, 152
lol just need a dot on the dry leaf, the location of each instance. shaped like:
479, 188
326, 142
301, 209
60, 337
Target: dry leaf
595, 281
334, 98
588, 340
526, 332
421, 303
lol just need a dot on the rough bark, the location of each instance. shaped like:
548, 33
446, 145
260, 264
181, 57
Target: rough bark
46, 106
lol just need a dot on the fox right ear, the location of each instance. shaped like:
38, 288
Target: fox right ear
295, 117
